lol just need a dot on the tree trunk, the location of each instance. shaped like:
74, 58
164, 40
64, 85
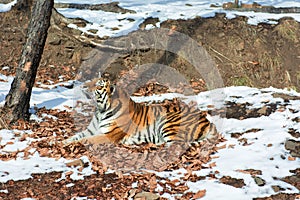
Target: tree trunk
17, 101
236, 3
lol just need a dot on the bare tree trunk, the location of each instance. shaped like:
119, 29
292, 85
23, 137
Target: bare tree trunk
236, 3
17, 101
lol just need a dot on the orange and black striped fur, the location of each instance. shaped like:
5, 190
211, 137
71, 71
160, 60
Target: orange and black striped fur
118, 119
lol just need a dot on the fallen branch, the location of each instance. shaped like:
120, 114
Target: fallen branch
86, 40
222, 55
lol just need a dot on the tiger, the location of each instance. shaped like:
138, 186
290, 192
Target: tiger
120, 120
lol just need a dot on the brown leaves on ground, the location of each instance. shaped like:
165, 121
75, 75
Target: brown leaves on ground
57, 125
151, 157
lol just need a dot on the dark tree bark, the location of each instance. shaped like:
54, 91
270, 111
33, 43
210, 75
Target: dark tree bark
17, 101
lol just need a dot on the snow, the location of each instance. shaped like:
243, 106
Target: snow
259, 155
266, 151
106, 22
7, 7
21, 168
56, 98
218, 191
117, 24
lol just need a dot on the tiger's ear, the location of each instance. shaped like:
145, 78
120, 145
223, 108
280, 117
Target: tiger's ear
112, 89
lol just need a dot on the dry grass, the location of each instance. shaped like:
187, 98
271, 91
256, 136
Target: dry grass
288, 29
241, 81
270, 65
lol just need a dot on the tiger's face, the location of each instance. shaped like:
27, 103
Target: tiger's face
103, 94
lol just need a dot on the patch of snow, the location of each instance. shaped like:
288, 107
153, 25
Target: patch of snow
134, 185
7, 7
117, 24
265, 150
70, 185
4, 191
5, 68
21, 169
58, 97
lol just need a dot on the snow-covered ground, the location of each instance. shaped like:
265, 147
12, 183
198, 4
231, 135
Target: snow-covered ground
265, 151
21, 168
106, 23
117, 24
7, 7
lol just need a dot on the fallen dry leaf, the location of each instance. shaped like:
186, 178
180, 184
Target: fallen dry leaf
213, 164
172, 30
221, 147
199, 194
290, 158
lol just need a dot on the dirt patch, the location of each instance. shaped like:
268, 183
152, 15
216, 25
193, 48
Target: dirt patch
238, 183
242, 110
294, 133
294, 179
293, 146
259, 56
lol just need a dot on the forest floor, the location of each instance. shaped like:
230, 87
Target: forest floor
245, 55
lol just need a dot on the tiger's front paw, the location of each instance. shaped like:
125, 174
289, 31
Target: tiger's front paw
72, 140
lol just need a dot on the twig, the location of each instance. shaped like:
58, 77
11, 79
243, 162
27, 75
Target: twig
85, 40
222, 55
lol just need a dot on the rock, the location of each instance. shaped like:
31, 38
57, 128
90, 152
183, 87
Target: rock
262, 111
149, 20
294, 147
277, 188
146, 195
290, 144
259, 181
94, 31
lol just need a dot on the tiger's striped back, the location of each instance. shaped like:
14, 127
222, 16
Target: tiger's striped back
118, 119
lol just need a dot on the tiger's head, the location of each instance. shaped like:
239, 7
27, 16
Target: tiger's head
103, 94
